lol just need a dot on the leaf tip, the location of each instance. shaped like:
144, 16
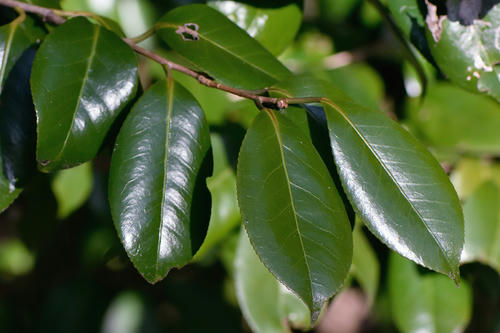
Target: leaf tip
455, 277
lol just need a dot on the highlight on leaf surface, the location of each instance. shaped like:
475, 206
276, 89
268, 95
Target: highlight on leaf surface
157, 189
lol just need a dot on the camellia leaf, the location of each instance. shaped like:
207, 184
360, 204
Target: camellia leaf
395, 185
429, 303
482, 226
266, 304
292, 212
157, 186
473, 42
82, 77
274, 28
207, 37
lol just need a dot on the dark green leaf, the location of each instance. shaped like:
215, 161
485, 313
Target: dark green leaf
274, 28
452, 119
82, 77
429, 303
157, 184
219, 47
395, 185
482, 226
293, 214
474, 64
266, 304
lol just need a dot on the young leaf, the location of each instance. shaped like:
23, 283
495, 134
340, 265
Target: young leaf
157, 188
82, 77
266, 304
292, 212
273, 28
365, 265
219, 47
395, 185
72, 188
222, 185
429, 303
482, 226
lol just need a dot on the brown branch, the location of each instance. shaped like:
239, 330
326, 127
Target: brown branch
50, 15
47, 14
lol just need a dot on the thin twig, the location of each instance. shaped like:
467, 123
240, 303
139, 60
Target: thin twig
50, 15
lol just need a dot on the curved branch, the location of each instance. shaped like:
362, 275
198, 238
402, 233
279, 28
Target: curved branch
51, 15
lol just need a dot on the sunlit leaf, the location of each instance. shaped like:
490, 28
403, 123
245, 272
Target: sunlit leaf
482, 226
157, 190
79, 88
207, 37
274, 28
72, 188
222, 185
266, 304
429, 303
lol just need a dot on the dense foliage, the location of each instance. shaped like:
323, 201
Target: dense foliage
329, 129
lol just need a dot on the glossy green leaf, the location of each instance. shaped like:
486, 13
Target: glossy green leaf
395, 185
482, 226
72, 188
474, 47
273, 28
208, 38
365, 266
452, 119
222, 185
267, 305
157, 191
82, 77
429, 303
292, 212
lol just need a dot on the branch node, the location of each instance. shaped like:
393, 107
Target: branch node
282, 103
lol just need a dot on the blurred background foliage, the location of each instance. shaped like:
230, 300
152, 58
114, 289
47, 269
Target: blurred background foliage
62, 268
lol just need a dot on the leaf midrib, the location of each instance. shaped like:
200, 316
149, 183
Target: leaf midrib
96, 34
168, 120
341, 112
275, 123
